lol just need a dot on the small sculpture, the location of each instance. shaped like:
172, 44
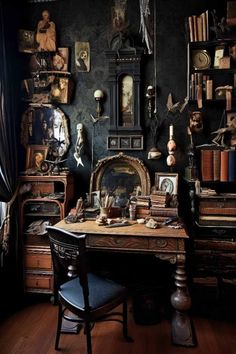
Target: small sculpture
79, 146
171, 147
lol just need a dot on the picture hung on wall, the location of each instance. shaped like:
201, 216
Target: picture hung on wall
82, 56
60, 59
167, 182
125, 142
36, 154
26, 41
46, 33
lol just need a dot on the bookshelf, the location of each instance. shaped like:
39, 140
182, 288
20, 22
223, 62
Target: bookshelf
211, 88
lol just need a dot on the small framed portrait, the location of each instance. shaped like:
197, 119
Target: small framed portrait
113, 142
230, 118
35, 155
219, 54
167, 182
137, 142
60, 60
82, 56
26, 41
95, 199
125, 142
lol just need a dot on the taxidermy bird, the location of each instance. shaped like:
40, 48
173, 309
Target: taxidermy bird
174, 107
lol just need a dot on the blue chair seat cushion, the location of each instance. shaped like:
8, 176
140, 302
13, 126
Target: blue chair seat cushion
101, 291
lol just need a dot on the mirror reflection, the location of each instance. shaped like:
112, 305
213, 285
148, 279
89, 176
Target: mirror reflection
46, 126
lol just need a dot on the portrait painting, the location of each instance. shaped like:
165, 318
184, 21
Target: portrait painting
26, 41
167, 182
60, 59
36, 154
82, 56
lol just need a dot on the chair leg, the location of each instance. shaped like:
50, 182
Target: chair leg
59, 323
125, 322
87, 332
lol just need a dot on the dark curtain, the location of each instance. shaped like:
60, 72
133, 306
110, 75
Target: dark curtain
8, 146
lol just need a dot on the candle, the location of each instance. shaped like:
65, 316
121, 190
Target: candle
171, 131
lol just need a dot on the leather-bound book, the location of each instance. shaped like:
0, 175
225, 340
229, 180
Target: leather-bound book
224, 165
216, 165
232, 166
207, 165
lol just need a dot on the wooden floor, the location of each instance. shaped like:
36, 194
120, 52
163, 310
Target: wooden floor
31, 330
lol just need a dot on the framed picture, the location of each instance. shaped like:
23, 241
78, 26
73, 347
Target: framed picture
125, 142
60, 60
167, 182
26, 41
82, 56
36, 154
219, 53
95, 199
230, 118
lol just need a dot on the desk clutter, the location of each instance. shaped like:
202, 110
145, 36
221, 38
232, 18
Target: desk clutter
154, 210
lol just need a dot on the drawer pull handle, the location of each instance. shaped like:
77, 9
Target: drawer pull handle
161, 243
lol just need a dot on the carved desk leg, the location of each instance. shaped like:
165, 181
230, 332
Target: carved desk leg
182, 327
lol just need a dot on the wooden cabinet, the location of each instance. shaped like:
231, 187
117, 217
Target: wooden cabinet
43, 200
213, 231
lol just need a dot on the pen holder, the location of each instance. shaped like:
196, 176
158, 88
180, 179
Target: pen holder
104, 211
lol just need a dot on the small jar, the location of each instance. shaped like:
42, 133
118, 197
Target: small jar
132, 212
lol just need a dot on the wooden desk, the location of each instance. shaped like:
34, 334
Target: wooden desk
165, 243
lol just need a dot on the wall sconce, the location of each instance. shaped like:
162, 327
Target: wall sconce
150, 96
98, 95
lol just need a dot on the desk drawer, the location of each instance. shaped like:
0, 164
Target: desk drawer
38, 261
114, 242
36, 282
159, 244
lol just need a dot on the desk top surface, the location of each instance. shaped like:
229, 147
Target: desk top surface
133, 229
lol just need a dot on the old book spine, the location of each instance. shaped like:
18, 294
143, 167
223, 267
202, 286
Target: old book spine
216, 165
199, 28
204, 30
164, 211
195, 28
224, 163
232, 166
217, 211
207, 165
209, 90
190, 28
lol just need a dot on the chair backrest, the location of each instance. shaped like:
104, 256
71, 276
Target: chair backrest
69, 258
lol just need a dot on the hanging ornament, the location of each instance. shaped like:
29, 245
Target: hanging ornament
171, 147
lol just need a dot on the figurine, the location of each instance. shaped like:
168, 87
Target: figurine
79, 144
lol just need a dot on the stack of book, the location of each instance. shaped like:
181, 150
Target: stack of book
218, 165
142, 206
198, 27
203, 83
160, 205
218, 210
159, 199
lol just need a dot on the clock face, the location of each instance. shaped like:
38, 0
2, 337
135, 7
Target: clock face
201, 59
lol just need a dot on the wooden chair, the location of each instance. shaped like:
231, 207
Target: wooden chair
89, 297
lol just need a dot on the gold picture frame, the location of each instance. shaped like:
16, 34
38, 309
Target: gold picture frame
167, 182
35, 155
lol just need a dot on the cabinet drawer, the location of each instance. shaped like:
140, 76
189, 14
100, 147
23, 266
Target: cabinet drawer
118, 242
35, 261
38, 282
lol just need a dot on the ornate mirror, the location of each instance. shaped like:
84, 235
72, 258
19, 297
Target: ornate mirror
46, 126
120, 175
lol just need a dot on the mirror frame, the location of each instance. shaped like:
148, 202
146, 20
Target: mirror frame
33, 122
137, 164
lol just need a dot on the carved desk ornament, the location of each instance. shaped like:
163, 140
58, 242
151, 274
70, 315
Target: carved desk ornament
225, 93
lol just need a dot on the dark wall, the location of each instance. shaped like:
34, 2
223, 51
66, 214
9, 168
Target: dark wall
90, 21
